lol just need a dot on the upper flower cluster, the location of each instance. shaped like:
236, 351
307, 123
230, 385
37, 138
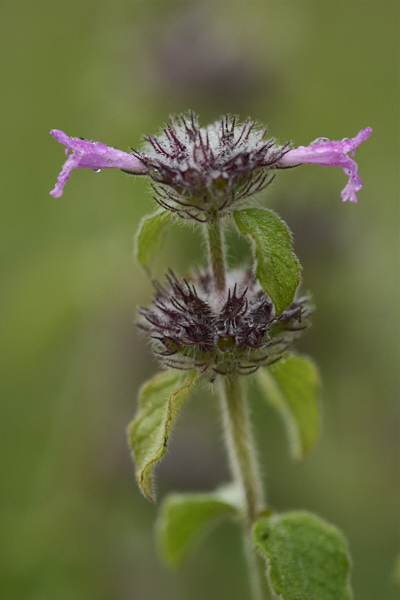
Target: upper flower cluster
194, 328
201, 171
198, 172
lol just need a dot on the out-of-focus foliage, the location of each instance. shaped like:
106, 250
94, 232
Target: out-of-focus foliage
186, 518
73, 523
150, 237
292, 387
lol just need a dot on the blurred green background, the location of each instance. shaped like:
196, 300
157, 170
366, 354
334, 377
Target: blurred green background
73, 523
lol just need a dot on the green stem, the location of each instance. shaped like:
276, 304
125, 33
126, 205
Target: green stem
237, 427
217, 253
245, 469
240, 446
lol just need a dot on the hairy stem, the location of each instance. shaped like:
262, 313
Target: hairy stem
217, 253
240, 446
245, 470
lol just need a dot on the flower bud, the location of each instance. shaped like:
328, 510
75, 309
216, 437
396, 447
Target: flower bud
199, 172
193, 327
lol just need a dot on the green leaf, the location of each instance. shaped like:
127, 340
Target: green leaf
185, 517
307, 558
160, 400
292, 386
150, 237
278, 269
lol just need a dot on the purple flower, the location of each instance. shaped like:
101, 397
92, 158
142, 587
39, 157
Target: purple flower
200, 170
326, 153
91, 155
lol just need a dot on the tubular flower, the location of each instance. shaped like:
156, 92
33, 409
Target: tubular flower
191, 327
327, 153
91, 155
198, 172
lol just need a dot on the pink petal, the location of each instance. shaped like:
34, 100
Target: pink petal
328, 153
91, 155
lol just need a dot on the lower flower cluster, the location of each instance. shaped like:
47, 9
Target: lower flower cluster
193, 327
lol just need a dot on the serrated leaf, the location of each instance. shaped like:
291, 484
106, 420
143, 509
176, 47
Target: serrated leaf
150, 237
277, 269
292, 386
185, 517
160, 401
307, 558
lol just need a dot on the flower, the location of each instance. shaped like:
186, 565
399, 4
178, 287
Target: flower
327, 153
192, 327
199, 172
91, 155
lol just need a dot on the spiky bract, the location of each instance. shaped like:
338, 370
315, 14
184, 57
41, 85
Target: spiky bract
199, 172
193, 327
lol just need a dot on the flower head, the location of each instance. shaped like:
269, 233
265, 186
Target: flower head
199, 171
91, 155
192, 327
327, 153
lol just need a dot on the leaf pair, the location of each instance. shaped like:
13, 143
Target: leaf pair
290, 385
306, 558
277, 270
